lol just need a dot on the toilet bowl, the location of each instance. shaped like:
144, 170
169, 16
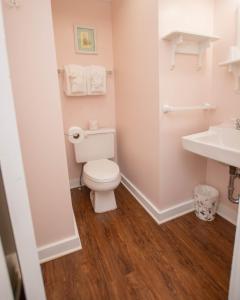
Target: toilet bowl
102, 177
94, 149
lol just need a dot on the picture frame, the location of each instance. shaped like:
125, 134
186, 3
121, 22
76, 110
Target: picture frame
85, 39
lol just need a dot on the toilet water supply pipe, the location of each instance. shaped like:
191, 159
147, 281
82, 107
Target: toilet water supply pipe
234, 174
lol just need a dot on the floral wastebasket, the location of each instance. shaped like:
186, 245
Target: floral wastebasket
205, 202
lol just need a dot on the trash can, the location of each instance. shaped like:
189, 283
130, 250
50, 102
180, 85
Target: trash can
205, 202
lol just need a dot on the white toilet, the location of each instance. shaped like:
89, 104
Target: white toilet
100, 174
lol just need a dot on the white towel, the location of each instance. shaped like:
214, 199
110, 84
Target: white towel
96, 80
75, 80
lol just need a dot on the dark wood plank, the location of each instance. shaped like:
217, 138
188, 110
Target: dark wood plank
126, 255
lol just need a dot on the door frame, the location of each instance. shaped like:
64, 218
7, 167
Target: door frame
5, 285
234, 289
14, 182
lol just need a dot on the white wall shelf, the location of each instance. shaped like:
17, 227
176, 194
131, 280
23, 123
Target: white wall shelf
233, 62
184, 42
233, 66
230, 62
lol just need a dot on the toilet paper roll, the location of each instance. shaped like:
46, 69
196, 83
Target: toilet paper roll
75, 135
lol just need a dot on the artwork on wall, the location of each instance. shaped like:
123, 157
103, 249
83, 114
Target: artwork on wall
85, 39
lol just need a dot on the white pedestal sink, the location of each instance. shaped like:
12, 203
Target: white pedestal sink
221, 143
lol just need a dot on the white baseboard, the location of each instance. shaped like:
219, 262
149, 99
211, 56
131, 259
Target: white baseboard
175, 211
151, 209
60, 248
74, 183
160, 216
227, 213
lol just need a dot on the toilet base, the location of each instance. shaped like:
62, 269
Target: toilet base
103, 201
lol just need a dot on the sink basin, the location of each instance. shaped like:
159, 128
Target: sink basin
221, 143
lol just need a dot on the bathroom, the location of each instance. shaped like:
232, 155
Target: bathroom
171, 71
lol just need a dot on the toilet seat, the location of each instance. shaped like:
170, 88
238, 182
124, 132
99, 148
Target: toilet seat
102, 170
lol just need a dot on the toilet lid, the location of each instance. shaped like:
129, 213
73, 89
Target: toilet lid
102, 170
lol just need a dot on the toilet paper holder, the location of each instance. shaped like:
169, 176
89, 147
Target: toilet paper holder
75, 135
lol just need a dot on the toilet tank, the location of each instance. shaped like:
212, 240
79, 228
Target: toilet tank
97, 144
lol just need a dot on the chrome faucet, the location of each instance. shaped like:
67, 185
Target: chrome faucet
237, 123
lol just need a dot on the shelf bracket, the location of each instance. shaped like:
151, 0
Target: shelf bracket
175, 42
233, 66
198, 49
235, 70
202, 49
189, 43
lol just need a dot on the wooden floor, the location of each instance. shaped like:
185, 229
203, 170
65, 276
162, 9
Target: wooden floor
126, 255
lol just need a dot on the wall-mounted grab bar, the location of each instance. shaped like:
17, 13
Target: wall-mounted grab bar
169, 108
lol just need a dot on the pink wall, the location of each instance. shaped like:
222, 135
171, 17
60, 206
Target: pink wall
227, 100
137, 104
149, 143
180, 170
78, 110
186, 86
35, 87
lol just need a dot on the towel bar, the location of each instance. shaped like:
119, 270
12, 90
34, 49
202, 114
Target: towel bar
109, 72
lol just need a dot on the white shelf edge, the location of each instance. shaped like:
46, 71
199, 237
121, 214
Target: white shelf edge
180, 44
191, 35
229, 62
233, 61
233, 66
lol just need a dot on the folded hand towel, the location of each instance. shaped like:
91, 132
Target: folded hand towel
96, 80
75, 80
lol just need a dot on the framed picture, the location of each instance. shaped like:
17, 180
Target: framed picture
85, 39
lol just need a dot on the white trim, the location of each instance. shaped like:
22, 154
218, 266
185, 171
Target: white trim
150, 208
60, 248
234, 289
5, 285
160, 216
14, 182
227, 213
173, 212
74, 183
